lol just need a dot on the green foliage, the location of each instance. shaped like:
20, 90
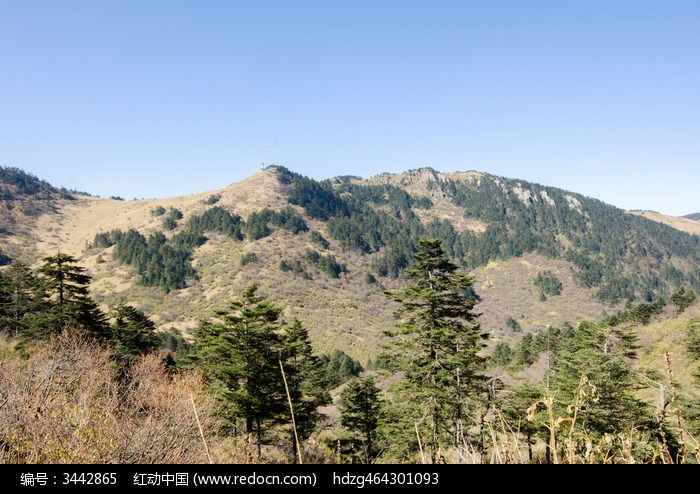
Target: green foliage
337, 367
171, 219
295, 267
513, 324
548, 283
102, 240
158, 211
421, 202
256, 227
326, 263
166, 262
599, 239
502, 354
36, 305
287, 219
176, 347
65, 288
391, 263
22, 299
248, 258
4, 259
175, 214
640, 313
318, 239
133, 334
25, 184
238, 354
525, 352
437, 345
169, 223
692, 338
212, 199
603, 355
305, 381
592, 388
159, 262
381, 361
360, 410
56, 298
515, 405
247, 358
683, 299
217, 219
317, 198
348, 233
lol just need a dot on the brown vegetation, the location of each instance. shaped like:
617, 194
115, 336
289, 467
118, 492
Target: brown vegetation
65, 403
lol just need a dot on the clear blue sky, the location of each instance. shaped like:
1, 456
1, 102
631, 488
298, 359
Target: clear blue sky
154, 98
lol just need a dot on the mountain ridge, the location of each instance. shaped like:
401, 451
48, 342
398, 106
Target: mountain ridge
372, 225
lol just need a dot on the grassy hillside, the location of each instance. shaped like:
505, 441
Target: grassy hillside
687, 224
565, 283
504, 232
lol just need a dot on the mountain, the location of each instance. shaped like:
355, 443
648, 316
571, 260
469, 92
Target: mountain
683, 223
693, 216
326, 251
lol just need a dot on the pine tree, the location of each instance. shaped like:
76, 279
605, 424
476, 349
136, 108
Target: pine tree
67, 291
683, 299
502, 354
360, 408
603, 355
338, 367
438, 344
21, 299
238, 353
305, 381
133, 333
692, 338
524, 351
514, 406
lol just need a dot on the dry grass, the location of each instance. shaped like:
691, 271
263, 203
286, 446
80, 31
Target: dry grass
66, 404
346, 313
507, 289
679, 223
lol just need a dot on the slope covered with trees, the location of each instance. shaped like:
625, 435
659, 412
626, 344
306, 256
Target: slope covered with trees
626, 257
618, 386
83, 386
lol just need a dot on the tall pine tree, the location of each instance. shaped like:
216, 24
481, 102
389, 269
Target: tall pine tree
21, 299
360, 410
67, 291
238, 353
305, 382
437, 346
133, 333
599, 356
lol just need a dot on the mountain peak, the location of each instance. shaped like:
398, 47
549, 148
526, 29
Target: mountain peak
321, 247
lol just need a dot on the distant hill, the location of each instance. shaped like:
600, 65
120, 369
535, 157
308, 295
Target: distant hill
683, 223
23, 198
326, 250
693, 216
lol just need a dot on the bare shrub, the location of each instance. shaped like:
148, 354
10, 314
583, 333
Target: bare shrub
66, 403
